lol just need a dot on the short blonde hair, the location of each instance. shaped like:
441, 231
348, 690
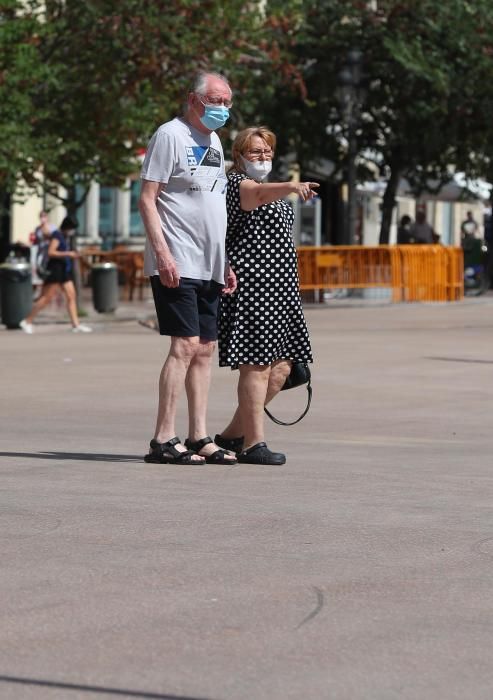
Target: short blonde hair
243, 140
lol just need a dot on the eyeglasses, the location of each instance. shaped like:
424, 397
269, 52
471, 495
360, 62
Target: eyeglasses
257, 152
215, 101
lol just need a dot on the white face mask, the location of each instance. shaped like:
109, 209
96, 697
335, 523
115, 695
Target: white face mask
257, 169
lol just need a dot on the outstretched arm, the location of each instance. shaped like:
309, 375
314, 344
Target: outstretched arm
253, 194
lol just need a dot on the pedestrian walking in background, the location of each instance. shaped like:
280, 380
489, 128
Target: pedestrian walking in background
262, 328
60, 273
183, 207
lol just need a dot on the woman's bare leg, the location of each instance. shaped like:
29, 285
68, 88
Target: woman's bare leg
71, 299
252, 391
279, 370
47, 293
234, 429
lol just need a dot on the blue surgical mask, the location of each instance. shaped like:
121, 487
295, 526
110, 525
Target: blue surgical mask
215, 116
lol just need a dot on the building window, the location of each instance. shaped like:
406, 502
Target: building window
136, 225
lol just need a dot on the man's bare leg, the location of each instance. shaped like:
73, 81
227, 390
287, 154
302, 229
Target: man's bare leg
197, 385
171, 382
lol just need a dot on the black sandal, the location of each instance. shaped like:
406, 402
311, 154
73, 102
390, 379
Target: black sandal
220, 456
234, 445
166, 453
260, 454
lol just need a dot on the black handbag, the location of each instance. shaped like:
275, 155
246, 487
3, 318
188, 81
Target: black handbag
300, 374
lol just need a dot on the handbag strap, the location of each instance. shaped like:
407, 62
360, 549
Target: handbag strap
309, 400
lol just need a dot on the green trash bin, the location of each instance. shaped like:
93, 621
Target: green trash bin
16, 292
104, 282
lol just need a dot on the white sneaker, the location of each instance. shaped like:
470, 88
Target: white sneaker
82, 328
26, 327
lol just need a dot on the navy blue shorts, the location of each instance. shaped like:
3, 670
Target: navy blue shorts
188, 310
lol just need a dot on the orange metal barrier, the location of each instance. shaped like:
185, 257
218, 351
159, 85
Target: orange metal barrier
455, 274
412, 272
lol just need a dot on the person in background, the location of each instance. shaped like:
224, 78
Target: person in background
421, 230
469, 227
44, 230
262, 328
61, 276
404, 231
40, 241
183, 207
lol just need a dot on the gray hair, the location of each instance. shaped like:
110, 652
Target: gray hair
199, 83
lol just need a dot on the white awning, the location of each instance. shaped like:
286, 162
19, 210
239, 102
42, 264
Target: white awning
460, 188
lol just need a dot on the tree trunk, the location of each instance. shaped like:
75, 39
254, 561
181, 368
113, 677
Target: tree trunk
388, 205
71, 202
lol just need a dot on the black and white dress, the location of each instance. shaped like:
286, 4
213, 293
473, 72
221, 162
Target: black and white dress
263, 320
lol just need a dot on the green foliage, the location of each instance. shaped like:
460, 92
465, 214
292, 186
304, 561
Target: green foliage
429, 78
87, 83
84, 84
20, 72
424, 64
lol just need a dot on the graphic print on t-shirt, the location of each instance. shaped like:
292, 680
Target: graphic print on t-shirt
205, 162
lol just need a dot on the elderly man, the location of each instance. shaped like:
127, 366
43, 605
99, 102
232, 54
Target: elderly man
183, 207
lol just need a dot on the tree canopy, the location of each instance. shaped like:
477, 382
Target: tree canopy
428, 72
87, 83
83, 85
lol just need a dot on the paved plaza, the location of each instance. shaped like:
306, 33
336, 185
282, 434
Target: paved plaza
360, 570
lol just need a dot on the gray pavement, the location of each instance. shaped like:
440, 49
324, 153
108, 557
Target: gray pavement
362, 569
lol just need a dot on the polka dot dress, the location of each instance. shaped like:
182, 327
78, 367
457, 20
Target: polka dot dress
263, 320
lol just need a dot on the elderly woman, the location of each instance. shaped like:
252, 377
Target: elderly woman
262, 329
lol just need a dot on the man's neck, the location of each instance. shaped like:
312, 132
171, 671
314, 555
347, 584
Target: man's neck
191, 118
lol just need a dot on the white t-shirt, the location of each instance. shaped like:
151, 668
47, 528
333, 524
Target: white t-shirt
192, 207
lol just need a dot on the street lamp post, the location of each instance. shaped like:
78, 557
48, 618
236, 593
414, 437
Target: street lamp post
351, 95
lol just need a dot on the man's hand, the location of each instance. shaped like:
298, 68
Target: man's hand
168, 272
231, 282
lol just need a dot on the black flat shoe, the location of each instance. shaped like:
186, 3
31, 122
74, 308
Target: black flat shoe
260, 454
234, 445
166, 453
220, 456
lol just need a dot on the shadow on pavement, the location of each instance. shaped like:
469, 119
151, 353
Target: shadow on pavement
94, 689
78, 456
